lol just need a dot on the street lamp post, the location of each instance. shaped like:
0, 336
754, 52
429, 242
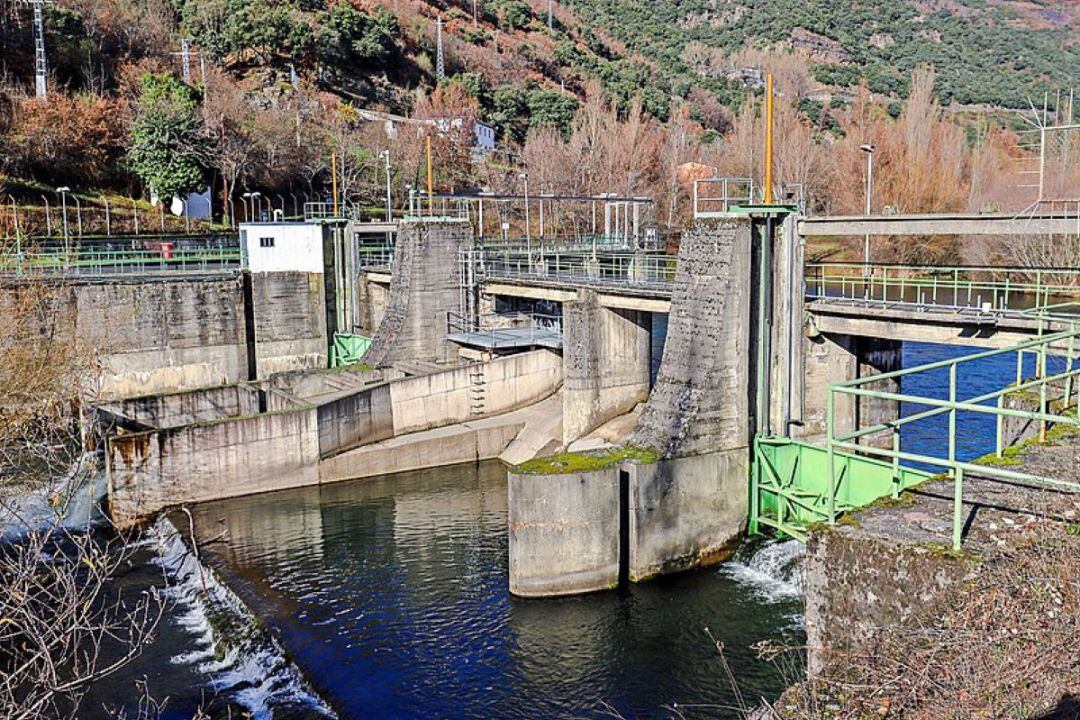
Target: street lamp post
389, 210
869, 150
63, 201
528, 224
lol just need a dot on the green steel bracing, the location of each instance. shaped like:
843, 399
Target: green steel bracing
348, 349
792, 487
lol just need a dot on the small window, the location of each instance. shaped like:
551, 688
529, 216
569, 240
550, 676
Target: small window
266, 242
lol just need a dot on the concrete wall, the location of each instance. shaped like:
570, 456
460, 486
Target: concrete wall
685, 512
425, 286
154, 470
362, 418
564, 532
184, 408
474, 391
856, 583
308, 384
839, 358
235, 456
607, 360
290, 321
162, 335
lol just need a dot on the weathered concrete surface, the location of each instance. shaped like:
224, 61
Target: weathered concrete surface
564, 532
425, 287
890, 563
155, 469
150, 471
474, 391
290, 321
606, 358
186, 407
685, 512
373, 296
476, 440
161, 335
839, 358
944, 327
700, 402
356, 419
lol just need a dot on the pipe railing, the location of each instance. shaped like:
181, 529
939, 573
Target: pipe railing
81, 262
507, 327
983, 288
1056, 405
631, 270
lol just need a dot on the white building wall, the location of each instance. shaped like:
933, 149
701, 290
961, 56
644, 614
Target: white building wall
282, 247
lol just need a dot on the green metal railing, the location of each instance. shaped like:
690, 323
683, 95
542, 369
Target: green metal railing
120, 262
1056, 405
997, 289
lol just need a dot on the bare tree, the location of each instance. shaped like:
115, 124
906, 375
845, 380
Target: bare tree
63, 626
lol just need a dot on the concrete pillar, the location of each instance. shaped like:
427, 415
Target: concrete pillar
373, 297
606, 363
426, 285
839, 358
701, 401
564, 532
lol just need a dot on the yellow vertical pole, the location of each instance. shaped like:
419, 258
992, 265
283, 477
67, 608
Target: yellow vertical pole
333, 180
769, 139
430, 179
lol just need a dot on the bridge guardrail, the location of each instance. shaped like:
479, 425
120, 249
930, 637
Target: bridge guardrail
647, 272
979, 287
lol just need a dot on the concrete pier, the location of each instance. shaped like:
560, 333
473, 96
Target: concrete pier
606, 359
426, 285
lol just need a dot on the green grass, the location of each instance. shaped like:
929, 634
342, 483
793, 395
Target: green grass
589, 461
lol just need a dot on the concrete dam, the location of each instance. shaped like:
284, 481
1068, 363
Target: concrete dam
776, 404
217, 386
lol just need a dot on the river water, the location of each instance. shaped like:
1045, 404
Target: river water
387, 598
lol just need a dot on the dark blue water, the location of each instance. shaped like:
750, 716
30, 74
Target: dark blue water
391, 596
975, 432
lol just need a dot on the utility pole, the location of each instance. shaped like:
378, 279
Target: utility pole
551, 14
185, 59
440, 60
41, 65
869, 150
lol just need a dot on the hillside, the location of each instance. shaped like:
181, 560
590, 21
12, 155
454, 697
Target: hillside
996, 52
597, 96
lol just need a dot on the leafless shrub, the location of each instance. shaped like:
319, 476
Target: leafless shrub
63, 625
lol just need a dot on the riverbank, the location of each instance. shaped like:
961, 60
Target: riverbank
923, 631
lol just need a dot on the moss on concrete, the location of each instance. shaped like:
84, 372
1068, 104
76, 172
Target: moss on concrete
588, 461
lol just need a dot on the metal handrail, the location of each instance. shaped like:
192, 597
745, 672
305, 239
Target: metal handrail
457, 323
113, 262
1060, 343
986, 288
649, 272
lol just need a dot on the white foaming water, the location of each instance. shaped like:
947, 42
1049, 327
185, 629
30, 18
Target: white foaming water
246, 664
774, 570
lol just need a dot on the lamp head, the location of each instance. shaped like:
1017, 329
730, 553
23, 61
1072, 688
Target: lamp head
867, 148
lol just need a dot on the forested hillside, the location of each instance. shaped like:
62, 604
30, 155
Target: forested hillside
589, 95
984, 51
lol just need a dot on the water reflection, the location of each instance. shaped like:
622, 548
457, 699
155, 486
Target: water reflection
390, 594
